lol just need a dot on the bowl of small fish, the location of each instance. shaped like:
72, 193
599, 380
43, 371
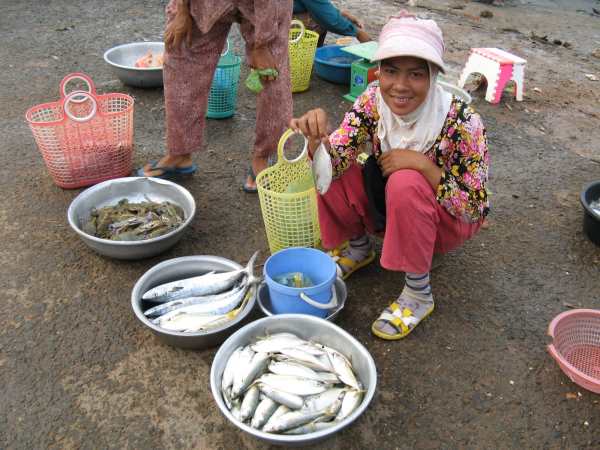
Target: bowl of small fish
138, 64
133, 217
264, 299
292, 379
195, 302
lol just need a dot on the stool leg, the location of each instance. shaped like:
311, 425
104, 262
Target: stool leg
505, 74
518, 78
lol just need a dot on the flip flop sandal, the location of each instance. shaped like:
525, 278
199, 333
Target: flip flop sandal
167, 172
245, 187
351, 265
400, 319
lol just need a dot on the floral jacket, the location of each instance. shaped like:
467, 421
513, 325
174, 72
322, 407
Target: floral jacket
460, 150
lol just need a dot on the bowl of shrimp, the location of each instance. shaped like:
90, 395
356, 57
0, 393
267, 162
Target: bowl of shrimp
137, 64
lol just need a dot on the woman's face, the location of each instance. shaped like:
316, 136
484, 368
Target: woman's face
404, 83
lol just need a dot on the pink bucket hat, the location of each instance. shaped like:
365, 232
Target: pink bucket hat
406, 35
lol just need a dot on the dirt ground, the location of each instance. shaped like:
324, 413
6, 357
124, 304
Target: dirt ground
78, 370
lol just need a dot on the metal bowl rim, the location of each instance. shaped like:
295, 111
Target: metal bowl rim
309, 437
174, 261
131, 44
585, 203
99, 186
270, 313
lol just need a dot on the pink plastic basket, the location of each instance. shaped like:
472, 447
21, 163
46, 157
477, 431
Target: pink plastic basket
576, 346
84, 138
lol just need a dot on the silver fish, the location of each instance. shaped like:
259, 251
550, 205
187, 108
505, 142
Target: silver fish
292, 368
350, 402
293, 385
240, 366
164, 308
311, 427
264, 411
281, 409
230, 368
285, 398
249, 403
342, 368
293, 419
312, 361
322, 169
189, 322
324, 400
218, 307
275, 343
235, 411
327, 377
249, 372
206, 284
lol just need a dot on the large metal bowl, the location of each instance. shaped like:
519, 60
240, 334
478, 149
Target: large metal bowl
176, 269
134, 189
307, 327
122, 59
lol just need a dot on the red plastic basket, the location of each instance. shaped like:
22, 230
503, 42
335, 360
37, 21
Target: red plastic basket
84, 138
576, 346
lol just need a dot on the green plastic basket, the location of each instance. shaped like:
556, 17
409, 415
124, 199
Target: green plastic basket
222, 99
302, 47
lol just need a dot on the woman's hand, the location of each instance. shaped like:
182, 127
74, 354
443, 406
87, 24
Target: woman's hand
314, 125
262, 58
352, 19
397, 159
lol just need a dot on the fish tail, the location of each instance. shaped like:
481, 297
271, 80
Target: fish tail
250, 268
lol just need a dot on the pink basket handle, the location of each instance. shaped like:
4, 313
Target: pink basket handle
81, 96
77, 76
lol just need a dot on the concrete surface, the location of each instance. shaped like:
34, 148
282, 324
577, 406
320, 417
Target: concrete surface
77, 369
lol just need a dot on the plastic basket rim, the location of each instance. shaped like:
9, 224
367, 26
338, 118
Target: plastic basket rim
60, 103
269, 170
237, 61
569, 369
312, 35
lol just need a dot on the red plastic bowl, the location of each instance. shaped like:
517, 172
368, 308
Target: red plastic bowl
576, 346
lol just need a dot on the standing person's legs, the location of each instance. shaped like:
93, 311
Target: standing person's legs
187, 75
416, 227
274, 102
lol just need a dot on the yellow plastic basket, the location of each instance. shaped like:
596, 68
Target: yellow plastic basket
302, 48
288, 201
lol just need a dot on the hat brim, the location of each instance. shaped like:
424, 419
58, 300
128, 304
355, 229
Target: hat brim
408, 46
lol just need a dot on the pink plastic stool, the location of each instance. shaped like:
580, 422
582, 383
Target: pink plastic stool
499, 67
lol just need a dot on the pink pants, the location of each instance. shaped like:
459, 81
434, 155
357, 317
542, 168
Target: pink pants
416, 224
188, 74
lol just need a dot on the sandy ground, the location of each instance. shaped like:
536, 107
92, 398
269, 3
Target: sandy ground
77, 369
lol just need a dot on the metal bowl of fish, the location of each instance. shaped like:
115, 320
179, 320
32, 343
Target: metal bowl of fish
195, 302
264, 299
292, 379
154, 231
138, 64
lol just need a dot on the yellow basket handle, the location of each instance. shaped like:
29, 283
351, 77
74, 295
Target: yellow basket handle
301, 35
280, 154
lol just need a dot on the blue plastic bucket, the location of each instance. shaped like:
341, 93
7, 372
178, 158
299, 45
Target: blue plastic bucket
316, 265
